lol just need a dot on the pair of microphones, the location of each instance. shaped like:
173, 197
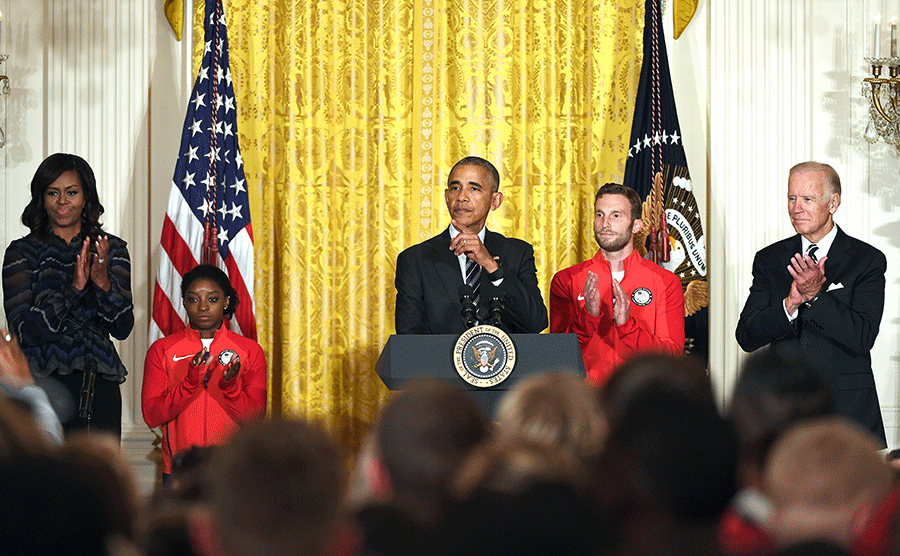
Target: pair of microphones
493, 315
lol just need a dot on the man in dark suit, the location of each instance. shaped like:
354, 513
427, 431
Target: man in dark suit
821, 291
429, 275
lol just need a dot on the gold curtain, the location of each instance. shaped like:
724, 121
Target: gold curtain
351, 115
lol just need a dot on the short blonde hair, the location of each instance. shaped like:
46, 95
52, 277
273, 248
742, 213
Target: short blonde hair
557, 410
819, 475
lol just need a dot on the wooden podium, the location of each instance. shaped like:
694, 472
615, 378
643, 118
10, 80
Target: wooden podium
408, 357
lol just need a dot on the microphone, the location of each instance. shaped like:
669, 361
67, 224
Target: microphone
497, 309
87, 391
468, 305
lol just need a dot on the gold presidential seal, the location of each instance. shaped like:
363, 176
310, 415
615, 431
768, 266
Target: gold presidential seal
484, 356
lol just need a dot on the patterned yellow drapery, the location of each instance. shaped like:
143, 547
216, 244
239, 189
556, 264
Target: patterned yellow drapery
350, 117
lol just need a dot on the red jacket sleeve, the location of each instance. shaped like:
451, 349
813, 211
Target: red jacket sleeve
160, 403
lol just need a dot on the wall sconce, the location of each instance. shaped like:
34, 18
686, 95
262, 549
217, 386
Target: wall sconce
883, 93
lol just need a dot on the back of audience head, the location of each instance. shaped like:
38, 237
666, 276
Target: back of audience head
776, 388
667, 471
52, 505
422, 436
647, 369
513, 497
557, 410
825, 478
276, 489
99, 456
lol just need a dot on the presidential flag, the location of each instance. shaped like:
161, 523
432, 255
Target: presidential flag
208, 217
657, 169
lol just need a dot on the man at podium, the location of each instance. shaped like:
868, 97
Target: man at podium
468, 274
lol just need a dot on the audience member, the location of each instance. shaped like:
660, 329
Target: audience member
776, 388
67, 289
422, 436
826, 480
17, 385
556, 410
647, 370
99, 457
518, 498
667, 473
276, 489
52, 505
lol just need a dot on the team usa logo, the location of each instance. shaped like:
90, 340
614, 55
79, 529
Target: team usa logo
641, 296
226, 356
484, 356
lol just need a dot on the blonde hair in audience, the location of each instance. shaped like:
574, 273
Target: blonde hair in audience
557, 410
822, 476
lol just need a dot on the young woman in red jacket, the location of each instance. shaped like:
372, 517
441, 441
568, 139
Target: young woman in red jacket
202, 383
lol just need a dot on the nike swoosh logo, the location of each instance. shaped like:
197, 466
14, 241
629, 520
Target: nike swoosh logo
580, 297
176, 358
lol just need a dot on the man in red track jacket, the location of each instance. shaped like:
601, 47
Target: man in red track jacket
617, 302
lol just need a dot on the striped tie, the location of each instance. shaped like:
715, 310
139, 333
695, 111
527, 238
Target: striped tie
811, 251
473, 278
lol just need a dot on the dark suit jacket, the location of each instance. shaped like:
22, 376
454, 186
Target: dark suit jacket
428, 280
837, 331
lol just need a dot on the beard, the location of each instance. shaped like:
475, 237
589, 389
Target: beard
614, 244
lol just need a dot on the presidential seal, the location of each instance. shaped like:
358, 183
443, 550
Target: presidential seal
641, 296
484, 356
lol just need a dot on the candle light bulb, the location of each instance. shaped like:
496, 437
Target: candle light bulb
876, 37
894, 37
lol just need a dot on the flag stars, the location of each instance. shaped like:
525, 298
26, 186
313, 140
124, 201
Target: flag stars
222, 210
675, 137
204, 208
198, 101
218, 126
203, 75
235, 211
223, 236
228, 76
188, 179
228, 127
238, 186
195, 128
229, 104
207, 47
646, 141
657, 139
239, 160
209, 181
192, 154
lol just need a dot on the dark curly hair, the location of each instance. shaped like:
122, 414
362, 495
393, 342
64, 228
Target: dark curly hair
218, 276
35, 217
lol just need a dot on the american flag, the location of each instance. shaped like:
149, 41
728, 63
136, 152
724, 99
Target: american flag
208, 217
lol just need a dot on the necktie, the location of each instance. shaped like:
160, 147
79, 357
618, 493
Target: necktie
811, 251
473, 278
